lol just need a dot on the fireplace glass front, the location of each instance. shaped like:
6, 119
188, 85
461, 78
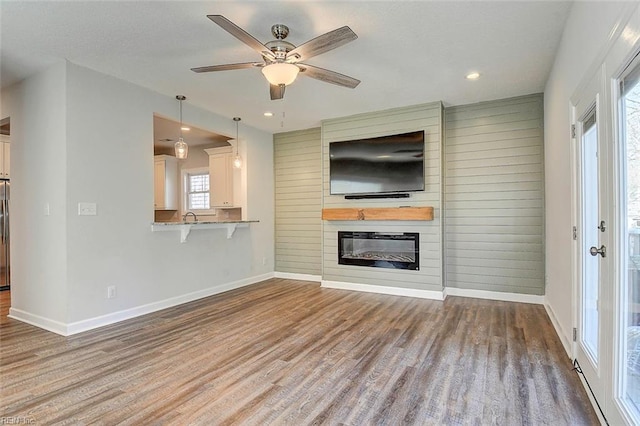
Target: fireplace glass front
380, 250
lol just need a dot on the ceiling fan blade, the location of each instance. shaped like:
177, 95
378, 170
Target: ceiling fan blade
328, 76
323, 43
276, 92
227, 67
242, 35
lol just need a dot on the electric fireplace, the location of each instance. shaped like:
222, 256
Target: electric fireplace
380, 250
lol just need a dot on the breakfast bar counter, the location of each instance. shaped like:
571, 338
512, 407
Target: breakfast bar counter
185, 228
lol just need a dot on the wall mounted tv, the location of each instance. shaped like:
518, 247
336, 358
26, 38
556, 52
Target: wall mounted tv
387, 164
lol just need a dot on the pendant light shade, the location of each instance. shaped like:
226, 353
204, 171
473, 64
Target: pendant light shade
181, 147
280, 73
237, 161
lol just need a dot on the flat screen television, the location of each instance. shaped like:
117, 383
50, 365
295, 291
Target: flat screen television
387, 164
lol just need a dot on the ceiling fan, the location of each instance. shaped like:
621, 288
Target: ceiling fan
282, 61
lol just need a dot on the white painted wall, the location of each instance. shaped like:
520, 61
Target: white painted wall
38, 256
586, 34
257, 153
100, 149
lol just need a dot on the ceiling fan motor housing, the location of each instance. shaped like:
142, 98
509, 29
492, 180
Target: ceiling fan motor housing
279, 47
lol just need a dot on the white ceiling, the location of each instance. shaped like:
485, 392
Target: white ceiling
407, 52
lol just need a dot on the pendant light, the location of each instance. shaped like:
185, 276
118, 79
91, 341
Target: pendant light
181, 147
237, 162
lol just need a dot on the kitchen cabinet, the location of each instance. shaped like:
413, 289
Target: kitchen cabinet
220, 177
165, 182
5, 157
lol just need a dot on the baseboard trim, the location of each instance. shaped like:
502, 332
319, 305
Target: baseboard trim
115, 317
394, 291
298, 277
564, 339
38, 321
592, 400
494, 295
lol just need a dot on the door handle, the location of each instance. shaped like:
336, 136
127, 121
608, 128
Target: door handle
602, 251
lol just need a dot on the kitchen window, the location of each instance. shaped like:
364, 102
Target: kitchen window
196, 190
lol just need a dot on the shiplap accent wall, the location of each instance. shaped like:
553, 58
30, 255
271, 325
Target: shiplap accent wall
494, 196
427, 117
298, 202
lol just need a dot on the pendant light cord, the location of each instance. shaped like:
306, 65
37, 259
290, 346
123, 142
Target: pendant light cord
237, 120
181, 98
181, 148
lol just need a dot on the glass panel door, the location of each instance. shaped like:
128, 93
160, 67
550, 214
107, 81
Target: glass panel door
590, 217
630, 285
590, 251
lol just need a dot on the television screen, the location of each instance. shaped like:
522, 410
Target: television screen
377, 165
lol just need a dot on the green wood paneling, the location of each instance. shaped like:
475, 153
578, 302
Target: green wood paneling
298, 202
494, 196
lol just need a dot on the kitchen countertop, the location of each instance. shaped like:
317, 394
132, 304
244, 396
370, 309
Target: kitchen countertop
186, 227
204, 222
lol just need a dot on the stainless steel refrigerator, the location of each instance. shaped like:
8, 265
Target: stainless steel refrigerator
5, 271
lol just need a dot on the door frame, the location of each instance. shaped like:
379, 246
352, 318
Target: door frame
589, 96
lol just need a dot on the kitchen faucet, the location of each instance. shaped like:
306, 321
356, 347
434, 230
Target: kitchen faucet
184, 218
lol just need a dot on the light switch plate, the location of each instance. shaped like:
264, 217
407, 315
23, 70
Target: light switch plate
87, 209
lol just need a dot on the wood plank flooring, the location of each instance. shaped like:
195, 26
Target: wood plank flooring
292, 353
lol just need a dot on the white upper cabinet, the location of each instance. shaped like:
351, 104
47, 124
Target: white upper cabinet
165, 181
5, 157
220, 177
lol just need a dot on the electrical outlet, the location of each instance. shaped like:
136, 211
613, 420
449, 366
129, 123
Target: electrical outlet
47, 209
87, 209
264, 260
111, 292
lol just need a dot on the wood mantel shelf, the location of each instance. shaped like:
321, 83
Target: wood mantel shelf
378, 213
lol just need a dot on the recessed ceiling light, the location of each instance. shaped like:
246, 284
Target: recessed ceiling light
268, 114
185, 128
473, 76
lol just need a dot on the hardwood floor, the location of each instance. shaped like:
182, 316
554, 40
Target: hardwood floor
287, 352
5, 304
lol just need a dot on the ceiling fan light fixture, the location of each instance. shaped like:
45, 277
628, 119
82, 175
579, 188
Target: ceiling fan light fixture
280, 73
